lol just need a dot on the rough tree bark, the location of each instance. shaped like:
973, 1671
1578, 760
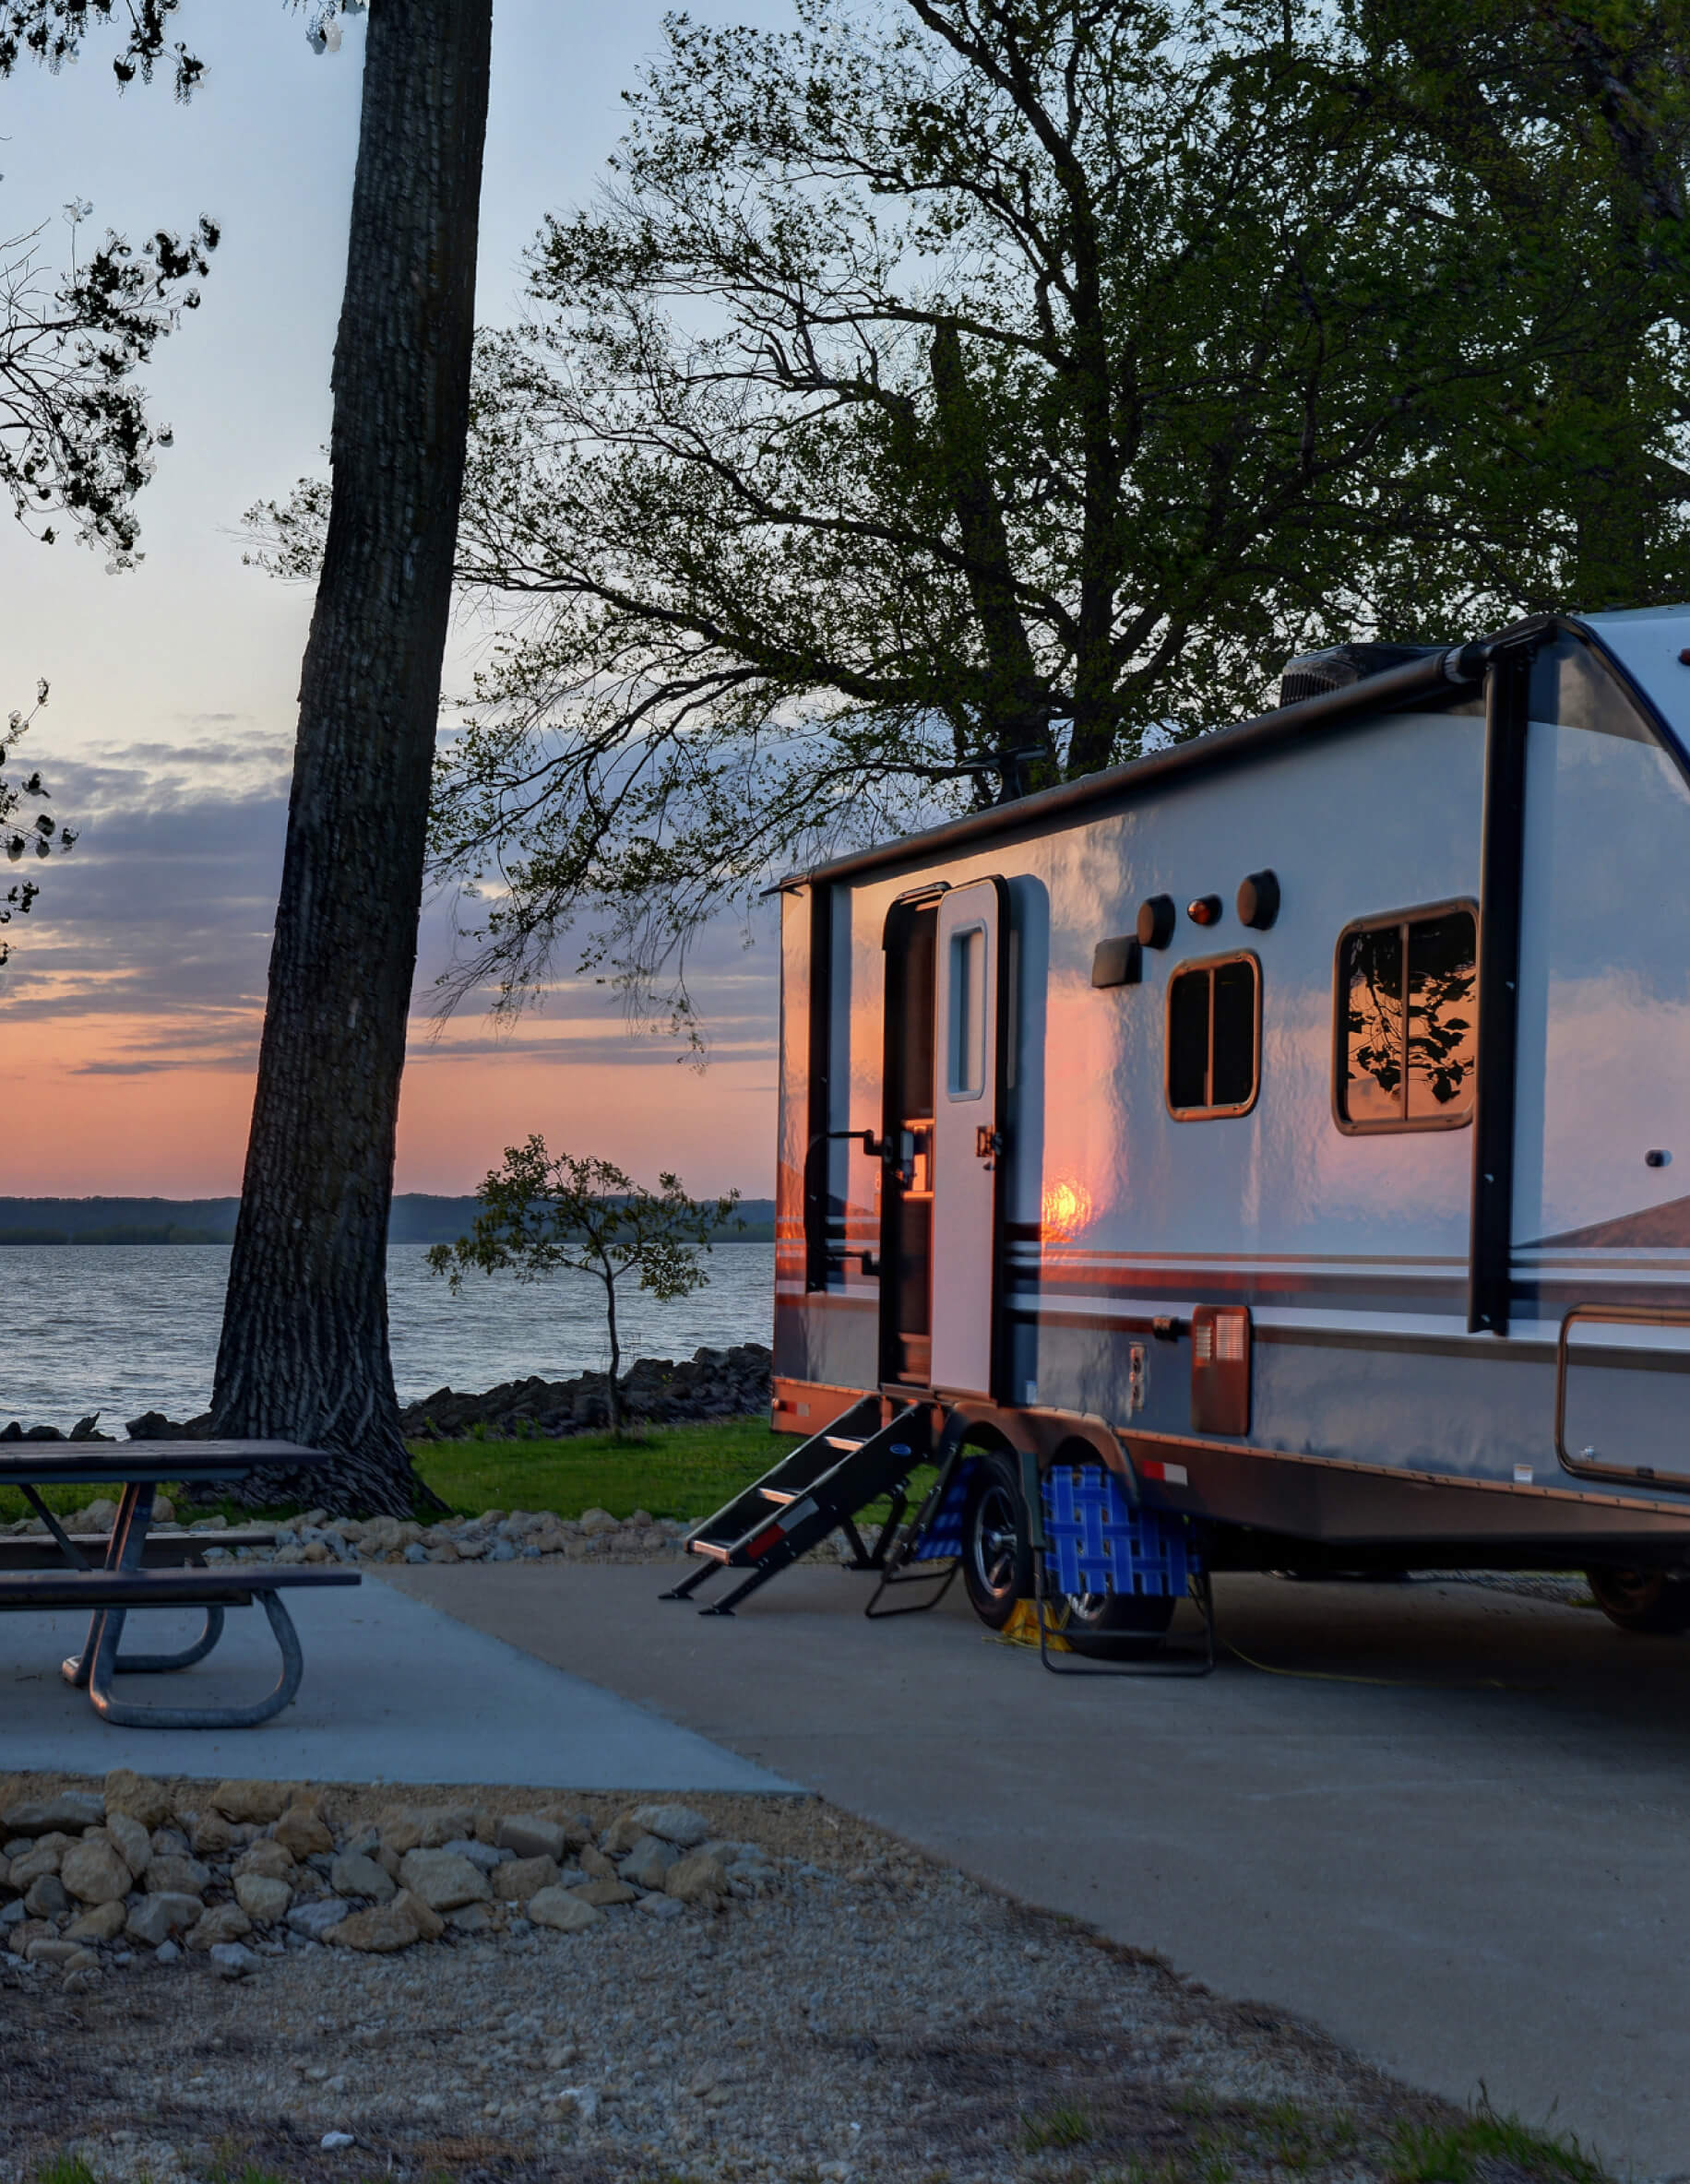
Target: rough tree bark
305, 1350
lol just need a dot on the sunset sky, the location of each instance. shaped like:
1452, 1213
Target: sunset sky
129, 1015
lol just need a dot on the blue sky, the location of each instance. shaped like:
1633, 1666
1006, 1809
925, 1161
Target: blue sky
128, 1018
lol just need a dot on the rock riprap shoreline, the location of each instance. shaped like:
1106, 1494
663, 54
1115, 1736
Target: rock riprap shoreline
90, 1881
654, 1391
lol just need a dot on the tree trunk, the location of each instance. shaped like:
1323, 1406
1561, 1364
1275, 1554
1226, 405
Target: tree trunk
305, 1350
613, 1397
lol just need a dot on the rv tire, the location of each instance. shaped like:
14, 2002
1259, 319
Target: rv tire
1655, 1602
997, 1563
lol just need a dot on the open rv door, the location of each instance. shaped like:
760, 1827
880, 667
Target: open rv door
969, 1028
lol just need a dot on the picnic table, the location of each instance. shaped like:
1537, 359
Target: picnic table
125, 1579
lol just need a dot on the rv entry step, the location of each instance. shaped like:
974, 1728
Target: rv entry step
816, 1488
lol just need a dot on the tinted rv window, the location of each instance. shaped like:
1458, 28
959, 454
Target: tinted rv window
1214, 1027
1408, 1020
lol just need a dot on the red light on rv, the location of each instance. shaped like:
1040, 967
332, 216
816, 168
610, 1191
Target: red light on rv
1206, 910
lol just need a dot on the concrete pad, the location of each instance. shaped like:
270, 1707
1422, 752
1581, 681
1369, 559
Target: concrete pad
1452, 1831
394, 1691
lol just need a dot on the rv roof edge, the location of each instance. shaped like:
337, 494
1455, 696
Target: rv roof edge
1396, 686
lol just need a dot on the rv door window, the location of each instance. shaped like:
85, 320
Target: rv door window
1407, 1044
966, 1072
1214, 1037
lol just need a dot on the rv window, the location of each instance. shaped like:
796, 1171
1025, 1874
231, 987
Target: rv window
1214, 1036
966, 1071
1407, 1021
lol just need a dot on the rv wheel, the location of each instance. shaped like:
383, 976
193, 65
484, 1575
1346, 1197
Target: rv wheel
997, 1565
1653, 1601
1113, 1626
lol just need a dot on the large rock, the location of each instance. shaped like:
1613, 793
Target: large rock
424, 1827
47, 1898
678, 1825
29, 1866
138, 1796
443, 1879
314, 1920
103, 1923
353, 1874
71, 1811
155, 1918
246, 1800
602, 1894
94, 1873
528, 1834
267, 1857
565, 1910
129, 1838
302, 1831
648, 1860
520, 1878
168, 1875
262, 1898
696, 1877
223, 1922
387, 1926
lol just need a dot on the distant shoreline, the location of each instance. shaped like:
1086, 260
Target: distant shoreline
418, 1218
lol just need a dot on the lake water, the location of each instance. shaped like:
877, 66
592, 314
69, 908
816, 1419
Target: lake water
126, 1328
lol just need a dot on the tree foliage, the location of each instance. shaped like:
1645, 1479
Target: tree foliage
548, 1213
962, 377
27, 827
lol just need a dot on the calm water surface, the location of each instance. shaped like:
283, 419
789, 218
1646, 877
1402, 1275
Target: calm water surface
126, 1328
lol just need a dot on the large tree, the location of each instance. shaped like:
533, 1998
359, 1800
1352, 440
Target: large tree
1000, 376
305, 1350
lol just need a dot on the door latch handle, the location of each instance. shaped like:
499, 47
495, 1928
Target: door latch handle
988, 1143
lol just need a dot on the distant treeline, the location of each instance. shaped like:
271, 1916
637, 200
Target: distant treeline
416, 1218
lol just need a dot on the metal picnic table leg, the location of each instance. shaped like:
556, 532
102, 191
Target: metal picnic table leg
205, 1718
127, 1543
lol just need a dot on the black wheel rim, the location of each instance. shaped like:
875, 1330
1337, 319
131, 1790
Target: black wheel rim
996, 1545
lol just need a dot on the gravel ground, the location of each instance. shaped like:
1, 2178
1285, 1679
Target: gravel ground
872, 2016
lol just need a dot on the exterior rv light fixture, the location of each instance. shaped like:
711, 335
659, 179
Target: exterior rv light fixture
1118, 962
1157, 918
1206, 910
1258, 900
1657, 1156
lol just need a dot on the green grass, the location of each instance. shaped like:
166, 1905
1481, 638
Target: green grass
1057, 2127
1462, 2154
677, 1471
670, 1471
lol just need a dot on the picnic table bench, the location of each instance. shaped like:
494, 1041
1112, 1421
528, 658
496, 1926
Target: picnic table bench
129, 1577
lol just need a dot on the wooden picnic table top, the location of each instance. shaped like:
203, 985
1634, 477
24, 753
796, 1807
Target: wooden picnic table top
135, 1462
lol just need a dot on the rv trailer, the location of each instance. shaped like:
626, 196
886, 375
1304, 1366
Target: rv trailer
1284, 1122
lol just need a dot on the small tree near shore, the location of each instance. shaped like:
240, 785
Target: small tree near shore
586, 1216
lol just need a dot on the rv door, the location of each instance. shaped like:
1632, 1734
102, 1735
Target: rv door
968, 1133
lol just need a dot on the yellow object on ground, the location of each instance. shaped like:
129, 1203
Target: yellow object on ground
1022, 1628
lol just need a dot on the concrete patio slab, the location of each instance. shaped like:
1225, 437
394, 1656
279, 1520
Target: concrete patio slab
394, 1691
1453, 1831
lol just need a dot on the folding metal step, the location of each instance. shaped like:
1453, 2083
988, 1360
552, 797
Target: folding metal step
814, 1490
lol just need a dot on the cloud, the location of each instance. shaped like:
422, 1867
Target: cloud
161, 917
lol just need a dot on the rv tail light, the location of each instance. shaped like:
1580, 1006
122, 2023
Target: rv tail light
1206, 910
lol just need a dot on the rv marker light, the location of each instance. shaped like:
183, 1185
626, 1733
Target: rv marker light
1206, 910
